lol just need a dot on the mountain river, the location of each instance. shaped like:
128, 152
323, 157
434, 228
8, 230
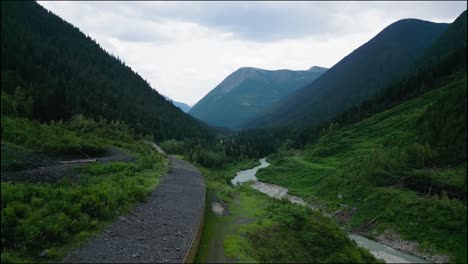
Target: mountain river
381, 251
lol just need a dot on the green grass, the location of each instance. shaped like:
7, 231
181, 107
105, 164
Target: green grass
283, 232
59, 216
217, 228
261, 229
378, 166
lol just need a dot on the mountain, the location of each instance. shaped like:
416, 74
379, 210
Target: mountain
65, 73
183, 106
382, 167
359, 75
454, 38
397, 158
248, 91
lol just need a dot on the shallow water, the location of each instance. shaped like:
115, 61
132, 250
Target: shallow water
249, 175
380, 251
386, 253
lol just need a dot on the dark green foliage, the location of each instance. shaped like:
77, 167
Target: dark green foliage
53, 138
17, 103
54, 216
358, 76
454, 38
443, 126
67, 73
248, 91
78, 135
298, 234
384, 167
227, 148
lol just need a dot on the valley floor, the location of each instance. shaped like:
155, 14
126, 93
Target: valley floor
245, 225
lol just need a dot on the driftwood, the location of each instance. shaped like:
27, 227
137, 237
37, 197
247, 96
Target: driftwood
85, 154
429, 193
124, 219
78, 161
136, 219
371, 221
368, 223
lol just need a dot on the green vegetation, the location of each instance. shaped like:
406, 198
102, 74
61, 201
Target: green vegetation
63, 73
395, 162
396, 166
293, 233
261, 229
217, 228
58, 216
236, 147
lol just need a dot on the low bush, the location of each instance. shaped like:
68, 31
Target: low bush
53, 216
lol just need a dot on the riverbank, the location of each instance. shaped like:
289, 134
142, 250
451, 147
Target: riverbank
372, 211
301, 234
382, 251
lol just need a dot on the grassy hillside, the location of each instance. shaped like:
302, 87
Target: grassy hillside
42, 219
393, 167
358, 76
64, 73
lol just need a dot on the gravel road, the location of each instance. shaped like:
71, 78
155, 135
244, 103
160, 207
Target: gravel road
159, 230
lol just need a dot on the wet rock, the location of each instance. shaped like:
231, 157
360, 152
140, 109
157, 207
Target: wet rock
44, 253
217, 208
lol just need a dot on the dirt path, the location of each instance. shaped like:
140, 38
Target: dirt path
160, 230
55, 169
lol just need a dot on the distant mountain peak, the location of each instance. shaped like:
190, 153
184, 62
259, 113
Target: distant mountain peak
317, 68
248, 90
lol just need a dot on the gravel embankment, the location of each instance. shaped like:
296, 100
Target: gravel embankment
159, 230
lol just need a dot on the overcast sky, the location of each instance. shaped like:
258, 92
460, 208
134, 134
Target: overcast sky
184, 49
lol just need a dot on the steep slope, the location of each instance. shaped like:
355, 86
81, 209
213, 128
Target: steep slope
183, 106
248, 91
454, 38
395, 166
65, 73
382, 168
356, 77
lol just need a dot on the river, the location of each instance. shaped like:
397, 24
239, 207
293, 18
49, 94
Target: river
381, 251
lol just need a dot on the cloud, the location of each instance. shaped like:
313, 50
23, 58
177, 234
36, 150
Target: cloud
184, 49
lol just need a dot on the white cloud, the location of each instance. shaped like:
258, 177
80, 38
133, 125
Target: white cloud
184, 49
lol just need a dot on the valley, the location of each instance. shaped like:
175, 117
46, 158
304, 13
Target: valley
245, 217
364, 161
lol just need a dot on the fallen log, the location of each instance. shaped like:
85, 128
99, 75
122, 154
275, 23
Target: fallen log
78, 161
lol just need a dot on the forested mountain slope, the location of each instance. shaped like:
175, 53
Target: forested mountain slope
65, 72
247, 91
454, 38
358, 76
383, 168
395, 166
